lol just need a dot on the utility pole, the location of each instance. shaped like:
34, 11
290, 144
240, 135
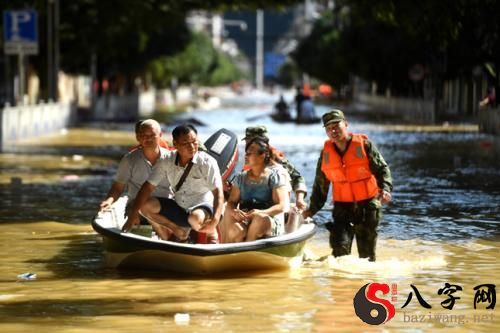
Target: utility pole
56, 49
50, 58
259, 57
52, 48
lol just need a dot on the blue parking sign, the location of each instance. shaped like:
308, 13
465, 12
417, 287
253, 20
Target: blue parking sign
20, 31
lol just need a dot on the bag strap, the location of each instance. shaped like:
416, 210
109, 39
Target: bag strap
184, 176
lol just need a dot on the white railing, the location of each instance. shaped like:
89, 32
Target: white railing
411, 109
31, 121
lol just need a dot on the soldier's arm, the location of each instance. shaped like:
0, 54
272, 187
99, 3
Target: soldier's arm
320, 189
379, 167
297, 181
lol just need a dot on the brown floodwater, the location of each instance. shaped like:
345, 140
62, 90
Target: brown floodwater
443, 227
74, 292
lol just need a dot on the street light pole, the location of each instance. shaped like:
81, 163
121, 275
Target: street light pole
52, 48
56, 49
50, 59
259, 57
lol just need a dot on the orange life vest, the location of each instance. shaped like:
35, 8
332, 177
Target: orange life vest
350, 174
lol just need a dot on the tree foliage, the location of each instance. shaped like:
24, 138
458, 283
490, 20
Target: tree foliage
199, 63
382, 40
124, 35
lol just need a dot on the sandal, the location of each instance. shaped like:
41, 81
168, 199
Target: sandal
213, 239
187, 240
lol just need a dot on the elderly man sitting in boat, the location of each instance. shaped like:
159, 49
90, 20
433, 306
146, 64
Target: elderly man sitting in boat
258, 198
137, 165
197, 187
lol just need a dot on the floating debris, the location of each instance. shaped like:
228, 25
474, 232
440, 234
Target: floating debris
27, 276
181, 318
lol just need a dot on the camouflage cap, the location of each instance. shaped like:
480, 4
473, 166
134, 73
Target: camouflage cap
332, 116
254, 131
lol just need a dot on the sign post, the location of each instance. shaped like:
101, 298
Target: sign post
21, 38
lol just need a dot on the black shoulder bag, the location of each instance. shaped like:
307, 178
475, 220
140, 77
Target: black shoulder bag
184, 176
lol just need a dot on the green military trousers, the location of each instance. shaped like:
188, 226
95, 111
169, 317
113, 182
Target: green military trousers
359, 219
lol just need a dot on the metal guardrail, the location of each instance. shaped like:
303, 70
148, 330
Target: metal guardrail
410, 109
489, 121
31, 121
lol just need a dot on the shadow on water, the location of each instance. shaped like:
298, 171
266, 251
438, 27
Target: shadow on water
109, 306
82, 256
65, 201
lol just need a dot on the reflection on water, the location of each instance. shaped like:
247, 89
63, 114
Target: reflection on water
442, 227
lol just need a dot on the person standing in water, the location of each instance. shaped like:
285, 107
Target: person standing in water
361, 182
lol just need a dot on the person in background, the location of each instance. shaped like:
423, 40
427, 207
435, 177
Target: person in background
281, 108
258, 198
197, 186
299, 98
361, 182
297, 182
490, 99
137, 165
308, 112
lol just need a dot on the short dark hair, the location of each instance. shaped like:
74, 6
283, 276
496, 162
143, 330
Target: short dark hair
138, 126
183, 130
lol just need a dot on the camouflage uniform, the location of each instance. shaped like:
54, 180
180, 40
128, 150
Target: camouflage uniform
358, 219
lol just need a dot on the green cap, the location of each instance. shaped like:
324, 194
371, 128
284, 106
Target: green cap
332, 116
254, 131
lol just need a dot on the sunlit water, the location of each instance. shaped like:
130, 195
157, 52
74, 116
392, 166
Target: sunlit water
443, 227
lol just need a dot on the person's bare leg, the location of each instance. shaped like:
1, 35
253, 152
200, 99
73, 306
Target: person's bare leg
162, 232
151, 211
260, 226
224, 226
213, 237
237, 232
231, 231
197, 219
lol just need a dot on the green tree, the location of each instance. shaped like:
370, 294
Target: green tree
198, 63
124, 36
223, 70
382, 40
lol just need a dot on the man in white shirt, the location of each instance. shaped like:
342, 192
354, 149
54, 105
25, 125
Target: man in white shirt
198, 199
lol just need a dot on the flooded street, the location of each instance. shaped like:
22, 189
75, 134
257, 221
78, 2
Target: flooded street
442, 227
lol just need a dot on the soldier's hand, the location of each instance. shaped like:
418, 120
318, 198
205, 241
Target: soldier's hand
306, 214
385, 197
301, 204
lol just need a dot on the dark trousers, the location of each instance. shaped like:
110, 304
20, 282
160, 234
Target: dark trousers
359, 219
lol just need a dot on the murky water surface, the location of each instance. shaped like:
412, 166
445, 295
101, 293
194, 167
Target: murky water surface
443, 227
